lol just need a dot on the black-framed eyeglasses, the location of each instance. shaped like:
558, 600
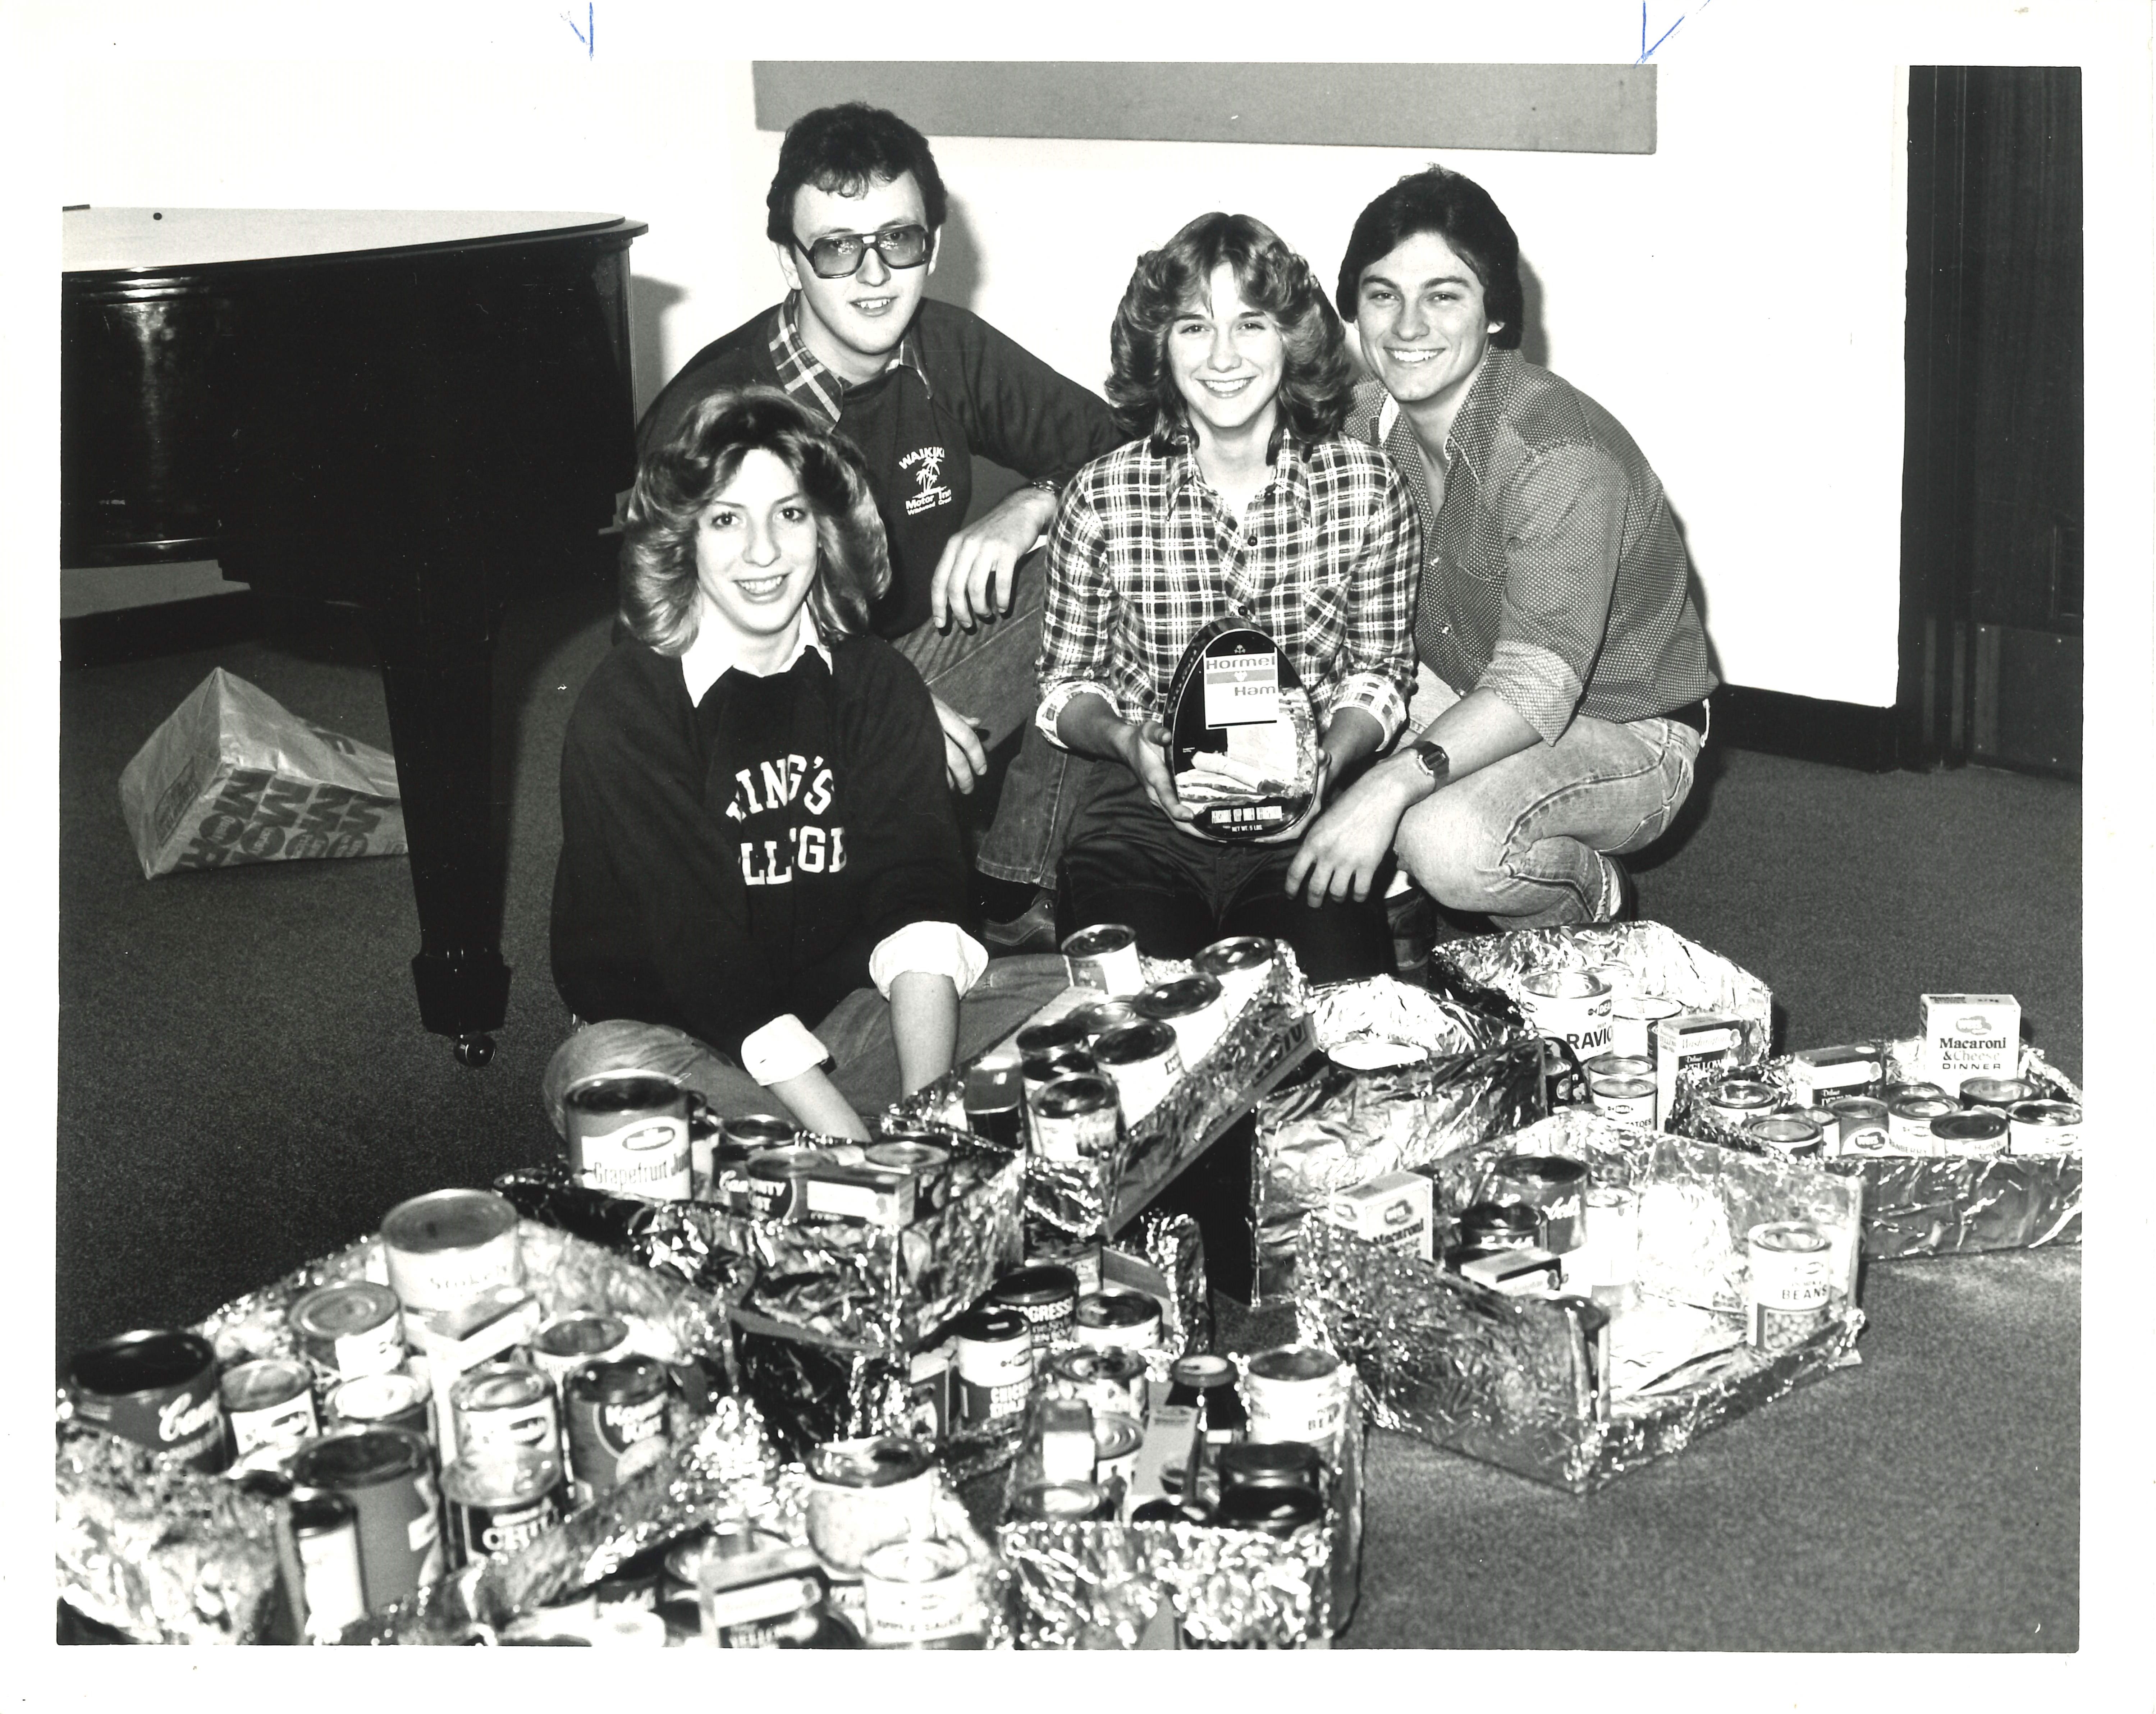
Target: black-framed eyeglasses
840, 255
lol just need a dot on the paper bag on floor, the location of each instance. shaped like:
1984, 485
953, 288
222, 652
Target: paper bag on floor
233, 776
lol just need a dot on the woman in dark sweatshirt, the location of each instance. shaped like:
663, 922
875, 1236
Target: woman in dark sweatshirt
761, 880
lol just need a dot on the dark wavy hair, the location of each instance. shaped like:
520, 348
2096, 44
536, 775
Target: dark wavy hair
1317, 381
682, 475
844, 150
1461, 212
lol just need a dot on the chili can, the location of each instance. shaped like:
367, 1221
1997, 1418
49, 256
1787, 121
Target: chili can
616, 1425
157, 1387
448, 1247
388, 1475
1105, 956
269, 1402
500, 1498
349, 1330
628, 1132
2044, 1127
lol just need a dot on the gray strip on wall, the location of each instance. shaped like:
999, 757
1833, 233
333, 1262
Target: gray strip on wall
1596, 110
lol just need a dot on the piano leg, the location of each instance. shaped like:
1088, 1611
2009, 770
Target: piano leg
440, 696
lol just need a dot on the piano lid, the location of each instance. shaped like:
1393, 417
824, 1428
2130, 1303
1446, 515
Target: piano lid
114, 240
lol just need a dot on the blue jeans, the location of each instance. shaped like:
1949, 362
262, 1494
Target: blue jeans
989, 674
857, 1031
1519, 841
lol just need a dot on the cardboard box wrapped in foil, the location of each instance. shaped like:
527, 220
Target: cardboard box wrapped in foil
1106, 1585
1515, 1380
1342, 1127
1916, 1205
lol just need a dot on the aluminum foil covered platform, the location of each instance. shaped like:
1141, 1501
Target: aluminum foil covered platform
1518, 1382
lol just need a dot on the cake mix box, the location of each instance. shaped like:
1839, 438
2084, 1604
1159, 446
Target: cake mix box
1970, 1035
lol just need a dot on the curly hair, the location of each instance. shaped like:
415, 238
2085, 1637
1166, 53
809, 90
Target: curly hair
1452, 206
682, 475
1317, 382
844, 150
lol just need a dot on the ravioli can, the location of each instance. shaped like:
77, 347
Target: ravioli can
1570, 1006
388, 1475
1048, 1298
1863, 1123
1105, 956
1909, 1122
2044, 1127
500, 1498
617, 1421
1240, 964
1194, 1007
448, 1247
1143, 1061
1296, 1393
1126, 1321
628, 1132
269, 1402
995, 1359
1075, 1118
1791, 1283
157, 1387
349, 1330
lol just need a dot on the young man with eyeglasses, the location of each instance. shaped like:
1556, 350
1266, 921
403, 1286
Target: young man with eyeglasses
855, 212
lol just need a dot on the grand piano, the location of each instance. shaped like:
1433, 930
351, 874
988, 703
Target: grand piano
407, 415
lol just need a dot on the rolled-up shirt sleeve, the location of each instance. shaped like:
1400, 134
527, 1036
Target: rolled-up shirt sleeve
938, 948
782, 1048
1563, 518
1378, 652
1074, 645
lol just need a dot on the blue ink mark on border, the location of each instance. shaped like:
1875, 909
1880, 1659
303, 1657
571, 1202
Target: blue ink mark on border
1647, 53
588, 35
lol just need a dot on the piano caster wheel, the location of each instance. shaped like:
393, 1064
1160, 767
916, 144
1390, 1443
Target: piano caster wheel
473, 1051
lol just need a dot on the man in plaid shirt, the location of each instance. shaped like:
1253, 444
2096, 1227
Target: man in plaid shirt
1242, 500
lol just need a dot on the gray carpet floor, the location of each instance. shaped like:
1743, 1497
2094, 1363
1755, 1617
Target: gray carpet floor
244, 1084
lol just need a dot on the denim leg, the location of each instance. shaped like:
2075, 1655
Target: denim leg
624, 1045
1518, 841
989, 674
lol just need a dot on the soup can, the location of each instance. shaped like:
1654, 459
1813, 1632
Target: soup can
157, 1387
388, 1475
1553, 1185
994, 1098
616, 1412
1096, 1017
395, 1399
1193, 1006
911, 1591
1862, 1122
448, 1247
504, 1404
773, 1178
1112, 1381
349, 1330
1143, 1061
1737, 1101
1571, 1006
1128, 1321
1075, 1118
1629, 1099
1788, 1134
1977, 1131
628, 1133
738, 1143
994, 1355
1081, 1255
1048, 1298
500, 1498
1105, 956
1632, 1021
2044, 1127
1296, 1393
325, 1539
863, 1493
1791, 1283
1240, 964
1909, 1122
1614, 1065
567, 1343
2003, 1093
269, 1402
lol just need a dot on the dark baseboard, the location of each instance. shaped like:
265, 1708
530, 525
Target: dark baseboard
162, 628
1845, 734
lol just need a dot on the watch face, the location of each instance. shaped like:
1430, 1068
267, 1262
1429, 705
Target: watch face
1434, 762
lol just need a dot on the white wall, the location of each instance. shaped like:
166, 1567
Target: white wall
1735, 299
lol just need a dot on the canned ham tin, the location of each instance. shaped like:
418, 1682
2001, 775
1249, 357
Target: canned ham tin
1296, 1393
1075, 1118
269, 1402
2044, 1127
1791, 1283
628, 1132
349, 1330
156, 1388
1112, 1319
1194, 1007
448, 1247
1979, 1131
1143, 1061
1240, 964
1105, 956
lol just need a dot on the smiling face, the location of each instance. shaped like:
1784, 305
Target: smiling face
1227, 360
755, 554
1423, 326
853, 325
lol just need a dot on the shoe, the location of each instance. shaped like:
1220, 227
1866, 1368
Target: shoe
1033, 929
1627, 908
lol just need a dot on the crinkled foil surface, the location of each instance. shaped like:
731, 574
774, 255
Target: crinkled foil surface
1098, 1585
160, 1552
1340, 1128
1662, 960
1173, 1246
1917, 1205
1507, 1379
840, 1280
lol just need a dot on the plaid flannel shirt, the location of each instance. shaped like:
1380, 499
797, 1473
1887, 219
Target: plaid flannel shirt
1144, 554
802, 373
